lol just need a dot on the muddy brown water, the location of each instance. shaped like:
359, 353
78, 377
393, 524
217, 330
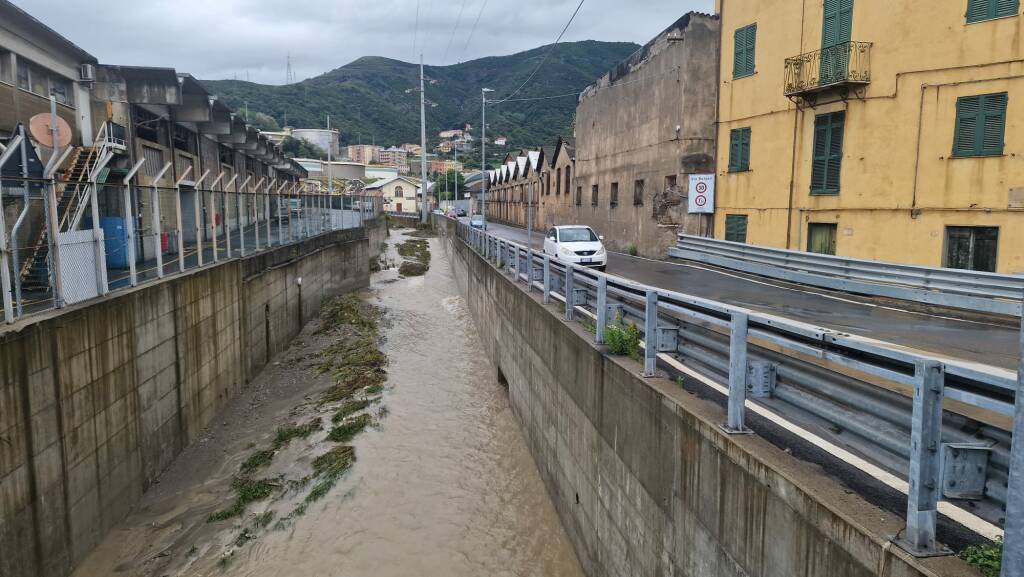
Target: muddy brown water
443, 486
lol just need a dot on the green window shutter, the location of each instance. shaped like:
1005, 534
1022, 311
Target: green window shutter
745, 148
980, 125
981, 10
827, 160
734, 150
736, 227
835, 151
749, 61
977, 10
744, 43
993, 123
739, 149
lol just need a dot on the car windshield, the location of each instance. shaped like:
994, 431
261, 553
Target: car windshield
577, 235
478, 218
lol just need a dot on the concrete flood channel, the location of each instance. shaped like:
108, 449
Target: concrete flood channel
378, 444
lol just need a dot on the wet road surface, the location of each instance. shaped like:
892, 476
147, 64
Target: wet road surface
991, 344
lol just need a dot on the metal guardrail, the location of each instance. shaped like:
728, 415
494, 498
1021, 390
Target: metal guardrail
878, 400
960, 289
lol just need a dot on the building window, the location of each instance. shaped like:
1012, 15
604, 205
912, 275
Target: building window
399, 193
972, 247
147, 125
593, 195
981, 10
980, 125
154, 160
226, 155
62, 91
821, 238
547, 185
579, 195
745, 40
670, 183
736, 227
6, 69
638, 193
739, 149
828, 152
184, 139
614, 200
24, 76
558, 183
568, 180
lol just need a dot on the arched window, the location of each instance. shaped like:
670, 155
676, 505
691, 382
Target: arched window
399, 193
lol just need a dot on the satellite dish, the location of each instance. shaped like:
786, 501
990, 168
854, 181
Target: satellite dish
40, 127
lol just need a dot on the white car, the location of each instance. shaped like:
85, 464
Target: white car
577, 245
477, 221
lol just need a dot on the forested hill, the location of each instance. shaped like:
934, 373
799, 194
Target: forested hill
372, 96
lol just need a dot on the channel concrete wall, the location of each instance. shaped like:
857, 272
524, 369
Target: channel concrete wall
96, 400
644, 480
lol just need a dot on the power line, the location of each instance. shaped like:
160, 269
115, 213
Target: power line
473, 30
444, 59
547, 54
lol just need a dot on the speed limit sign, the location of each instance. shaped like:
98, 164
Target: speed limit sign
702, 194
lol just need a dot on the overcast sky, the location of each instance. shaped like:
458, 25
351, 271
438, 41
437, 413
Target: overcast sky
216, 39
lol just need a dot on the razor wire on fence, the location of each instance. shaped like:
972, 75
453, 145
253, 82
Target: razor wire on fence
64, 243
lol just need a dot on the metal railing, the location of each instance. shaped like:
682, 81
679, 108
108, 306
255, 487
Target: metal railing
845, 63
134, 234
880, 401
953, 288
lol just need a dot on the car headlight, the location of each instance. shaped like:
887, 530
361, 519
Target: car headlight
566, 251
600, 251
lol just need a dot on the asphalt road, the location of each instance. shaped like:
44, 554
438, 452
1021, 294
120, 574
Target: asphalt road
963, 339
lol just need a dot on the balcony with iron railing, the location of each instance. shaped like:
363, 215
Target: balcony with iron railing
844, 65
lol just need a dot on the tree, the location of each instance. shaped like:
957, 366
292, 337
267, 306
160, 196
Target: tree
446, 186
298, 148
264, 122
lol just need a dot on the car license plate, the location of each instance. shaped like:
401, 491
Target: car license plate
584, 261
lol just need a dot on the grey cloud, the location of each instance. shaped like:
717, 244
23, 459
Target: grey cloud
216, 39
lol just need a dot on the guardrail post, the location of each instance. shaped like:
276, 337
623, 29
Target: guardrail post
568, 292
602, 308
547, 279
650, 333
501, 255
736, 423
1013, 545
5, 273
925, 441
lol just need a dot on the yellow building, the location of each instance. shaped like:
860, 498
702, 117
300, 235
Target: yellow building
880, 130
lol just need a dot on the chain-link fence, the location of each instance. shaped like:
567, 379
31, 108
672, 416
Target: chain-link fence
111, 236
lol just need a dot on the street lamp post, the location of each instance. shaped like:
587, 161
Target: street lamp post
483, 155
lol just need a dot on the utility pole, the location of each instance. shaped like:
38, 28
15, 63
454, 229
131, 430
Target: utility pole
456, 197
483, 155
423, 143
330, 145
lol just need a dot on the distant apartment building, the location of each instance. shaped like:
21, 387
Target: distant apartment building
394, 156
627, 175
412, 149
364, 153
450, 134
443, 165
847, 130
326, 140
501, 141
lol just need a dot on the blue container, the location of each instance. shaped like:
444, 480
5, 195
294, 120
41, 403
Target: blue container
115, 239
